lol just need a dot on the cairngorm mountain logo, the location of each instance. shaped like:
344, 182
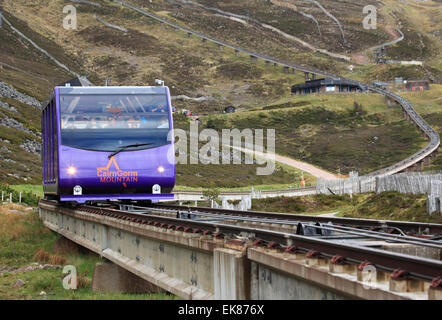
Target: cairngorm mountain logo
113, 174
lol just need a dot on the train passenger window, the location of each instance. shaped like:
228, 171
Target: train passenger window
105, 122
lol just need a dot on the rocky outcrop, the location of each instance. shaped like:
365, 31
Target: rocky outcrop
8, 91
14, 124
8, 107
32, 146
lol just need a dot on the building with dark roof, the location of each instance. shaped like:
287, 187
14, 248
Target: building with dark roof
327, 85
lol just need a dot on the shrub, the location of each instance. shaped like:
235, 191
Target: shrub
27, 197
42, 256
57, 260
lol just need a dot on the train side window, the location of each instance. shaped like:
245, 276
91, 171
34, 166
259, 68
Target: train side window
55, 140
50, 141
45, 142
48, 146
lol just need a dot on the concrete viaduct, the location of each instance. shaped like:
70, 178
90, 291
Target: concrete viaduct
196, 264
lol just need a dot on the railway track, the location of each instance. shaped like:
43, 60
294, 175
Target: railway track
404, 227
419, 268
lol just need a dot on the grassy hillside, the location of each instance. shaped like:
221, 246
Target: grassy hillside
331, 132
286, 16
149, 50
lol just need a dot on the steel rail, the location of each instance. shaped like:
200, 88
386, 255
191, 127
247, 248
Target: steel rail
348, 230
418, 267
415, 227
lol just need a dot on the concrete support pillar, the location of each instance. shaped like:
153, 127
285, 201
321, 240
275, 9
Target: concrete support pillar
406, 285
313, 76
275, 64
236, 52
434, 294
254, 58
427, 161
285, 69
306, 76
109, 277
203, 39
104, 237
189, 34
231, 270
221, 48
267, 63
293, 70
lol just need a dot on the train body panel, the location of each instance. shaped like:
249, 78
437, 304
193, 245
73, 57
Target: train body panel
126, 172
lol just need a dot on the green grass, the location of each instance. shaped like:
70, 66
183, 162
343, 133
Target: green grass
28, 197
315, 204
330, 133
34, 189
247, 188
50, 281
22, 234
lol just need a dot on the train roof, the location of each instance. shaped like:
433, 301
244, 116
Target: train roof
82, 85
113, 90
77, 82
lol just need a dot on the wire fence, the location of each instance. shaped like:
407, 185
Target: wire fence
429, 183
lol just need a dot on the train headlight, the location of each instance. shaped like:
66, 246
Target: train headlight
161, 169
72, 171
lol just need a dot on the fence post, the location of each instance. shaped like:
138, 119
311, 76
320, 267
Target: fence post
10, 197
3, 196
19, 201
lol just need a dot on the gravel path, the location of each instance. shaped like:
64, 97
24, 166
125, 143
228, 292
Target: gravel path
329, 214
314, 171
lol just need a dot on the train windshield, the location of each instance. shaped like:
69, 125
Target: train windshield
108, 122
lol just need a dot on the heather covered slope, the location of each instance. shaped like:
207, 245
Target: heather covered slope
189, 67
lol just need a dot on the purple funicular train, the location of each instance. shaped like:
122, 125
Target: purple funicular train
107, 143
